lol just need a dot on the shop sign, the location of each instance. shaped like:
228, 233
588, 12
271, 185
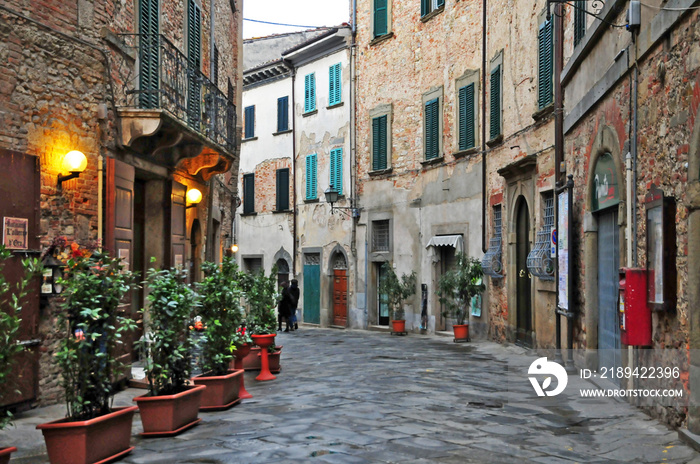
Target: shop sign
15, 233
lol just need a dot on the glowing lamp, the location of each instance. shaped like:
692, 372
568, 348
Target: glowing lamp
194, 196
73, 162
234, 248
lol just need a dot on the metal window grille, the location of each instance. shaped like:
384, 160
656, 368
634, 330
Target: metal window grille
491, 262
380, 235
540, 262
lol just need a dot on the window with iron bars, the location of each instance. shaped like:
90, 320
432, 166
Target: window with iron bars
380, 235
540, 262
491, 262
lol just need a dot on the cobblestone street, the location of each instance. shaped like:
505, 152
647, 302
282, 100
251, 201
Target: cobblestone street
368, 397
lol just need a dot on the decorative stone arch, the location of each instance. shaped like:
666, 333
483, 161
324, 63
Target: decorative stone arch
283, 256
693, 292
606, 141
338, 259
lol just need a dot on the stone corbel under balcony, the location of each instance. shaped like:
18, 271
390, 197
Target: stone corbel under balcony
160, 137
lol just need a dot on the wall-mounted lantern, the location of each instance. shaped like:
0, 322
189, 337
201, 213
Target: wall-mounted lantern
194, 197
331, 195
661, 249
74, 162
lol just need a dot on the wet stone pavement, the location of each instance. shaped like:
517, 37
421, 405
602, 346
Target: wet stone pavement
369, 397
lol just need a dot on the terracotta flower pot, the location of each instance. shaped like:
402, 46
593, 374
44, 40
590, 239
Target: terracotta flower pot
251, 361
461, 332
168, 415
98, 440
5, 454
399, 326
222, 391
264, 341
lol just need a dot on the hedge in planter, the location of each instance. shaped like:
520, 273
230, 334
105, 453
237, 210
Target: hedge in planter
170, 406
93, 287
456, 289
397, 291
219, 308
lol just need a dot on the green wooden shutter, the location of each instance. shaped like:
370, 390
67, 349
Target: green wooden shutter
432, 129
311, 188
282, 114
579, 21
249, 122
379, 143
466, 117
440, 3
194, 62
334, 87
424, 7
380, 18
545, 53
282, 189
309, 92
495, 113
248, 193
336, 179
148, 54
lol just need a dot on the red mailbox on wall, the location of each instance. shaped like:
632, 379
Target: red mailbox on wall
635, 313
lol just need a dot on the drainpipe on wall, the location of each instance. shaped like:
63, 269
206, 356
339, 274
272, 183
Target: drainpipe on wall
100, 173
559, 173
294, 172
483, 128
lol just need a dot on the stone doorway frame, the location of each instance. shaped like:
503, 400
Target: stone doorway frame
693, 205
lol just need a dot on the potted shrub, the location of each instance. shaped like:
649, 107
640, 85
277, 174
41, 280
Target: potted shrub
456, 289
219, 307
397, 291
261, 295
171, 405
94, 285
11, 300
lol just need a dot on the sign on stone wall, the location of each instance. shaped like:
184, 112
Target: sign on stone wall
606, 188
15, 232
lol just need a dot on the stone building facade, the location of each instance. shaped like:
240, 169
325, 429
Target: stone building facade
87, 76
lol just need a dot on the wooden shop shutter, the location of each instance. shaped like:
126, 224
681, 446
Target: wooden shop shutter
379, 143
282, 114
248, 193
311, 177
249, 122
194, 61
334, 87
381, 19
495, 113
336, 179
282, 193
148, 53
545, 49
466, 117
432, 122
309, 92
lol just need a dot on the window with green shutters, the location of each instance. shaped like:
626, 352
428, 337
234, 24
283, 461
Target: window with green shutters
148, 54
428, 6
249, 115
336, 179
432, 129
248, 193
495, 113
309, 92
579, 21
334, 87
282, 193
311, 186
381, 18
194, 62
282, 114
379, 143
545, 94
467, 122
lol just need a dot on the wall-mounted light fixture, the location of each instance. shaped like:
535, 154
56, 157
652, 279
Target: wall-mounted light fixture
332, 197
74, 162
194, 197
234, 248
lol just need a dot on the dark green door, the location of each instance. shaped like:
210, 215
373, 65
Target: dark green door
524, 311
312, 288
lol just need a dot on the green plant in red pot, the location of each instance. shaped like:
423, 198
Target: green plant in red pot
12, 298
456, 288
262, 296
396, 292
219, 306
94, 285
171, 405
241, 344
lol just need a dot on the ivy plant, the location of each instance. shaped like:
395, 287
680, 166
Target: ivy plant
168, 345
219, 306
94, 285
12, 298
262, 297
457, 287
397, 290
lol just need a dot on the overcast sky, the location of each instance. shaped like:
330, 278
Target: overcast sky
313, 13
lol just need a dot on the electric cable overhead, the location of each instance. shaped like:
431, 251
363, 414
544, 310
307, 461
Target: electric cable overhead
280, 24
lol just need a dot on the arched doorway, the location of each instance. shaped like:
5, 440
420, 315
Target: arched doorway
340, 289
523, 279
282, 271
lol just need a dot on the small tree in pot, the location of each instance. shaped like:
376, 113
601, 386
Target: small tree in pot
456, 289
262, 296
219, 307
397, 291
170, 406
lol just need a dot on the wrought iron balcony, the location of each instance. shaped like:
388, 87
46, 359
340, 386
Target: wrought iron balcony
161, 94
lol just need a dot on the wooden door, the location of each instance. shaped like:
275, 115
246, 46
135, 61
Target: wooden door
178, 223
19, 190
120, 243
523, 278
340, 297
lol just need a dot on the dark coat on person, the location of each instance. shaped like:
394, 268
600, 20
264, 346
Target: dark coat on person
285, 305
294, 291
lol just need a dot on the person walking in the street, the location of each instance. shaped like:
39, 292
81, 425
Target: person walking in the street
284, 307
294, 292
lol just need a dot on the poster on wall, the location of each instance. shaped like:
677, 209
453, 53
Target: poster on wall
563, 250
15, 233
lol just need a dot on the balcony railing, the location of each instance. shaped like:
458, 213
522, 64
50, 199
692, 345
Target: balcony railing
153, 74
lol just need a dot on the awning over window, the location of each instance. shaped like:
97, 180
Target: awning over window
455, 241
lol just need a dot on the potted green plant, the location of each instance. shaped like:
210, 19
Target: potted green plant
171, 405
456, 289
262, 296
219, 307
94, 285
397, 291
11, 301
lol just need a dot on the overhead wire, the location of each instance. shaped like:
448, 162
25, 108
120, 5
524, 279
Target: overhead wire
280, 24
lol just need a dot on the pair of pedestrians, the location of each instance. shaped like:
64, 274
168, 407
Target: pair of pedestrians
287, 306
